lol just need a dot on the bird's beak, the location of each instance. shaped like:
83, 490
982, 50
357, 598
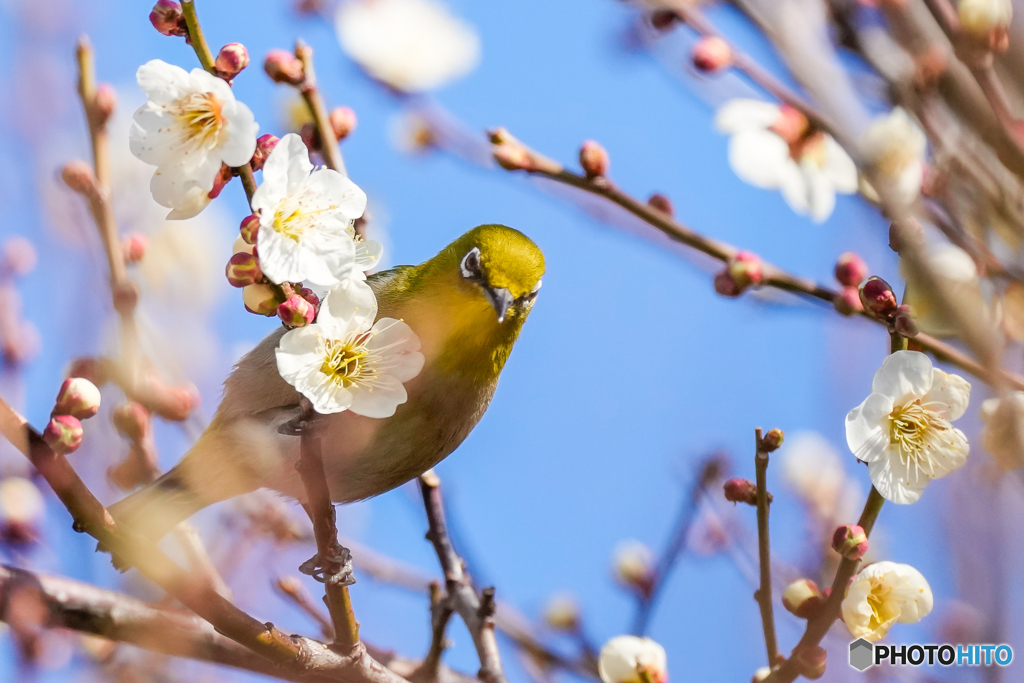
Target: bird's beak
501, 299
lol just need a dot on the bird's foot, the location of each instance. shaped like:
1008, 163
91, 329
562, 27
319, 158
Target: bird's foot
336, 568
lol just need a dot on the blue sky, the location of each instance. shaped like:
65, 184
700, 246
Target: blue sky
629, 370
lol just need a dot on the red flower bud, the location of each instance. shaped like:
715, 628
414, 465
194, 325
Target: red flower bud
296, 311
265, 144
63, 434
231, 59
134, 246
167, 18
283, 67
77, 397
904, 322
848, 302
220, 180
745, 269
741, 491
243, 270
249, 228
663, 19
343, 122
661, 203
725, 284
850, 269
878, 298
711, 54
260, 299
593, 159
850, 541
314, 301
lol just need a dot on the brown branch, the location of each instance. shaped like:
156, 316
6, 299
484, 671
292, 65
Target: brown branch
476, 610
332, 563
534, 163
764, 591
93, 117
820, 624
318, 109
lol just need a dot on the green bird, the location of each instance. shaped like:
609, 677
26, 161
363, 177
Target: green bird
466, 305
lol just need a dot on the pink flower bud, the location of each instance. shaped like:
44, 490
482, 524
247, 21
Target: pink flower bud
104, 103
661, 203
803, 598
314, 301
310, 136
725, 284
593, 159
134, 246
260, 299
79, 177
250, 228
745, 269
512, 157
343, 122
131, 420
77, 397
231, 59
283, 67
265, 144
711, 54
221, 180
243, 270
809, 660
850, 269
771, 441
663, 19
167, 18
19, 256
848, 302
850, 541
878, 298
126, 297
296, 312
904, 322
169, 402
740, 490
63, 434
791, 125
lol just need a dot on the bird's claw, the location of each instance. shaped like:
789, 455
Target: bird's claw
335, 569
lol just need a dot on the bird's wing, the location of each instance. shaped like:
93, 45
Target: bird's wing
391, 287
255, 386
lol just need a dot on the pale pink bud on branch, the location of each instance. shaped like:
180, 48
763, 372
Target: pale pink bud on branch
850, 269
63, 434
848, 301
168, 19
104, 103
133, 247
265, 144
284, 67
169, 402
771, 441
803, 598
593, 159
19, 256
512, 157
809, 661
77, 397
96, 370
231, 59
850, 541
131, 420
260, 299
243, 270
711, 54
343, 122
125, 296
739, 490
295, 311
79, 176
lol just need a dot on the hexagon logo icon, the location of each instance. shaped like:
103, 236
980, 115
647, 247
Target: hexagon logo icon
862, 654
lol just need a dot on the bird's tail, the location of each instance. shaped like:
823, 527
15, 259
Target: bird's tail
155, 509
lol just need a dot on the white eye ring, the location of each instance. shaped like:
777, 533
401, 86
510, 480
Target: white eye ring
536, 287
471, 263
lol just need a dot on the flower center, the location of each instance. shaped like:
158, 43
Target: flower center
202, 116
883, 611
292, 218
346, 361
912, 428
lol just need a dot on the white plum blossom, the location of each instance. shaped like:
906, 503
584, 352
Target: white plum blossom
1003, 436
306, 219
902, 429
191, 125
773, 147
895, 145
623, 658
345, 361
411, 45
882, 594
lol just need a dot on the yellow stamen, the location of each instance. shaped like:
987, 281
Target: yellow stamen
202, 116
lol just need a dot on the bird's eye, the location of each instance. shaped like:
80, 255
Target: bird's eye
471, 264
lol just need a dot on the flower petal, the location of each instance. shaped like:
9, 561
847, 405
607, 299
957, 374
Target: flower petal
867, 432
162, 82
839, 168
744, 114
350, 305
760, 158
951, 392
904, 376
287, 166
900, 485
380, 401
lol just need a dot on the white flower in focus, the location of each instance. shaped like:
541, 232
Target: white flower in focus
191, 125
814, 470
895, 145
345, 361
306, 220
773, 147
981, 17
902, 429
20, 501
411, 45
623, 657
1003, 436
882, 594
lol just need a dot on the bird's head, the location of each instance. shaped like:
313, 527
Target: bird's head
499, 266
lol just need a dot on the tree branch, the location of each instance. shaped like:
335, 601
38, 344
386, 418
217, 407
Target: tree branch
318, 109
764, 591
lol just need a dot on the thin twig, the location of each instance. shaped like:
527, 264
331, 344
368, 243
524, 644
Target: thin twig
196, 38
95, 121
440, 615
292, 588
820, 624
332, 564
476, 610
318, 110
764, 591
